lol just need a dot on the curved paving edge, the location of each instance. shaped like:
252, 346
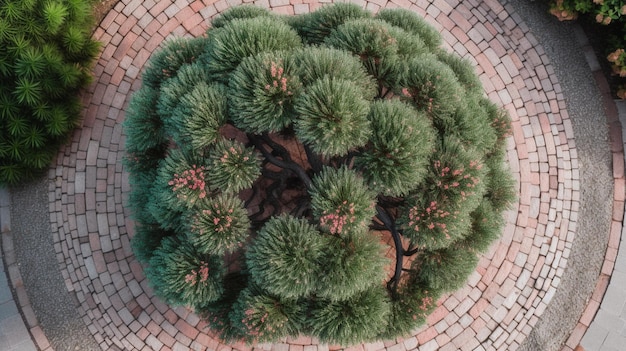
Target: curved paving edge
106, 123
573, 342
16, 337
14, 277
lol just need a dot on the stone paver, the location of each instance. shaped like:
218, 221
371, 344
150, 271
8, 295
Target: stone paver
608, 330
14, 335
502, 300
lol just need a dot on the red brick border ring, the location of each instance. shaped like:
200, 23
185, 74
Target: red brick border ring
503, 299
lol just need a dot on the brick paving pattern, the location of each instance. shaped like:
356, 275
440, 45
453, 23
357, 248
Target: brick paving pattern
503, 299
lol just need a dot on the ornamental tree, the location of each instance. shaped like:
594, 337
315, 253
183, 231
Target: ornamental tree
46, 55
329, 174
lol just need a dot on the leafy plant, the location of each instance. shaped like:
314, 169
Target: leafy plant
609, 14
345, 168
45, 58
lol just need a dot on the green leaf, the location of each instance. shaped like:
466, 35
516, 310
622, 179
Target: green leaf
11, 173
12, 149
8, 108
7, 31
12, 11
55, 15
29, 5
27, 91
79, 10
17, 126
54, 56
35, 30
19, 44
39, 158
42, 111
69, 75
31, 63
74, 39
34, 137
58, 123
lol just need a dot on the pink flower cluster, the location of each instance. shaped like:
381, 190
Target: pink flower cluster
192, 179
231, 153
278, 80
426, 303
202, 273
457, 178
256, 327
431, 217
222, 219
335, 221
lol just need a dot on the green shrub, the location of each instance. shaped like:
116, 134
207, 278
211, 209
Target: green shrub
316, 26
183, 276
367, 312
218, 225
143, 126
45, 60
409, 307
377, 44
240, 12
173, 89
259, 316
401, 144
332, 117
233, 166
262, 92
350, 266
607, 20
166, 62
316, 155
412, 23
196, 120
445, 269
285, 257
242, 38
316, 62
341, 201
432, 87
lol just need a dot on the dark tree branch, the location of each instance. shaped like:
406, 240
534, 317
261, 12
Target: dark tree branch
376, 226
303, 205
314, 160
285, 163
390, 224
411, 251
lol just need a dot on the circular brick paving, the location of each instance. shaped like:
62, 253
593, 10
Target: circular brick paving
503, 299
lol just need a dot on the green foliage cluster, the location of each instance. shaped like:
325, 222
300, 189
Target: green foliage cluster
608, 18
604, 11
272, 161
45, 59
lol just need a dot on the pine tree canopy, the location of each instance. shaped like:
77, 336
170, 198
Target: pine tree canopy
330, 174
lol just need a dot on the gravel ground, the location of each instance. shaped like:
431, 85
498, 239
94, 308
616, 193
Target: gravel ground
586, 111
54, 307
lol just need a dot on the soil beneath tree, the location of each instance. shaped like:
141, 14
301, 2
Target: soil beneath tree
101, 8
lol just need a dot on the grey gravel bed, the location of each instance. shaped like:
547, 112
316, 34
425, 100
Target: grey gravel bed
596, 183
54, 306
